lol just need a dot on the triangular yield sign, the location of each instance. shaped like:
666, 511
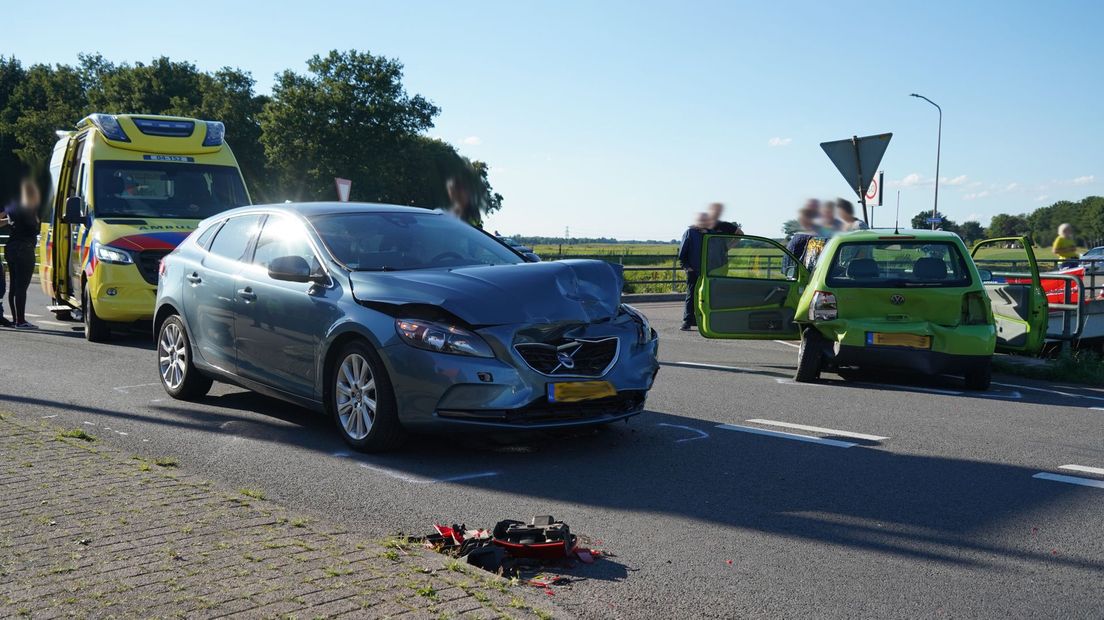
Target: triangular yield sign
857, 159
344, 186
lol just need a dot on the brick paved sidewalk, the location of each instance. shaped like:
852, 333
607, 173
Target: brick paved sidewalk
86, 531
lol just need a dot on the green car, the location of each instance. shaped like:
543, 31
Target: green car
909, 300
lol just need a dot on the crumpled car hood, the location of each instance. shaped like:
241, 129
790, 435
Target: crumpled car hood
550, 292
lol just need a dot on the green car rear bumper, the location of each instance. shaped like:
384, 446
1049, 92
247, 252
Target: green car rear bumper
953, 349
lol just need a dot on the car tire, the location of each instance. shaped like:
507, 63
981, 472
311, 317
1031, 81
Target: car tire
95, 328
179, 375
809, 356
979, 378
361, 400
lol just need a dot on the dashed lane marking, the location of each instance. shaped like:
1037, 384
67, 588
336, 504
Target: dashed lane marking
788, 344
125, 389
819, 429
1085, 469
794, 436
708, 366
419, 480
1050, 391
701, 434
1085, 482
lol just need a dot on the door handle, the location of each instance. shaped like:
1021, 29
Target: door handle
193, 278
247, 294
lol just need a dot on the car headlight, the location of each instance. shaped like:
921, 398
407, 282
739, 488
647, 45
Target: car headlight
442, 338
108, 254
647, 334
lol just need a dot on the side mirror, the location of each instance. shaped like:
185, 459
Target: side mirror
73, 207
289, 269
985, 275
531, 257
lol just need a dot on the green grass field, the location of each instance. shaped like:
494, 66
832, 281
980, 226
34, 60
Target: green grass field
662, 256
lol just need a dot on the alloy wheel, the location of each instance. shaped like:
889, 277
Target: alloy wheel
172, 356
356, 396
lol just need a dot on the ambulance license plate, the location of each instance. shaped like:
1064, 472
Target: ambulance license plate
576, 391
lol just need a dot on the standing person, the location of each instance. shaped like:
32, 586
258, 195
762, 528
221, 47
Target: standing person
22, 217
715, 213
848, 221
1065, 246
460, 202
689, 257
829, 224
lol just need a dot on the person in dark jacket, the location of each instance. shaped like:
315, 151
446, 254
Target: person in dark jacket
689, 257
22, 220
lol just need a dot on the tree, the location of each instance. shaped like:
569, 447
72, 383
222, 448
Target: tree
1005, 225
790, 228
920, 222
971, 231
348, 117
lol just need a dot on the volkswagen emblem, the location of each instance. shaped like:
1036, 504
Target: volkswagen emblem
565, 360
897, 300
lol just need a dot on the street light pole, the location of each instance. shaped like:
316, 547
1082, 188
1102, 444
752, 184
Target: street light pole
938, 145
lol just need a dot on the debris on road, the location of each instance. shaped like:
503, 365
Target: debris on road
514, 549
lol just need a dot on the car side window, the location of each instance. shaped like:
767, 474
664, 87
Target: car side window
233, 238
204, 239
746, 258
283, 236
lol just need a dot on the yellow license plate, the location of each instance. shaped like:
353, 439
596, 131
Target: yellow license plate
912, 341
576, 391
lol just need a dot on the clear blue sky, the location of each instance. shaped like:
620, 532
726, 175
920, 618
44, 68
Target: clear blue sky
625, 118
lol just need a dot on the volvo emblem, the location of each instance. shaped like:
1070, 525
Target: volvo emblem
897, 300
565, 360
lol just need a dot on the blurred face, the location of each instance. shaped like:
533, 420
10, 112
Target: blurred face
805, 219
702, 221
457, 194
828, 212
30, 196
715, 211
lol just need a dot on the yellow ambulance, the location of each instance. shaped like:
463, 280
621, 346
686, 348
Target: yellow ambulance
126, 189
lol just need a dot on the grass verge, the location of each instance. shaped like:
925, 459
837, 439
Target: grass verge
1082, 367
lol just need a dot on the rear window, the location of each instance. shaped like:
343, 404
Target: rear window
887, 264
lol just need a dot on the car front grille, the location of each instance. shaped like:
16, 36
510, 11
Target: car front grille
573, 358
149, 264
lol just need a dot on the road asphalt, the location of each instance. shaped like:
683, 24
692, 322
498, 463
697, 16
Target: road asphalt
738, 493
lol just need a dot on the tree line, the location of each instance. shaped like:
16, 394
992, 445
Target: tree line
348, 116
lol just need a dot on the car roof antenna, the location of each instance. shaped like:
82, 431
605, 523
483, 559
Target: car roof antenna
897, 218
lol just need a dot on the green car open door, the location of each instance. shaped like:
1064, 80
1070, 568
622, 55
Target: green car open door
1015, 293
749, 288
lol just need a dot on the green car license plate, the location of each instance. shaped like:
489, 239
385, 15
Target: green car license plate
576, 391
910, 341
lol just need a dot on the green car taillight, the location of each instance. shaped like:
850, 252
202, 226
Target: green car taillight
974, 310
823, 307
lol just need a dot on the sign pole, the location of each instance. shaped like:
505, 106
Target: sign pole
860, 189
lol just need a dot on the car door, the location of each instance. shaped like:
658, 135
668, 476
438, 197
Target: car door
748, 288
280, 325
210, 290
1015, 293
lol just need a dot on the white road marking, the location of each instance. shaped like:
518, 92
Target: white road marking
54, 323
1085, 482
1099, 471
788, 344
1049, 391
124, 388
1097, 408
418, 480
819, 429
47, 417
340, 454
709, 366
33, 316
793, 436
88, 423
701, 434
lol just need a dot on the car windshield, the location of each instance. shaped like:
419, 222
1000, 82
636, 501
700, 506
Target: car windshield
401, 241
165, 189
892, 263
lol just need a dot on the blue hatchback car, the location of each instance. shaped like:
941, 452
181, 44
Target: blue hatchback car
393, 319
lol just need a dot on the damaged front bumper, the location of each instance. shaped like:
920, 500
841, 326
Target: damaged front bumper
436, 391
